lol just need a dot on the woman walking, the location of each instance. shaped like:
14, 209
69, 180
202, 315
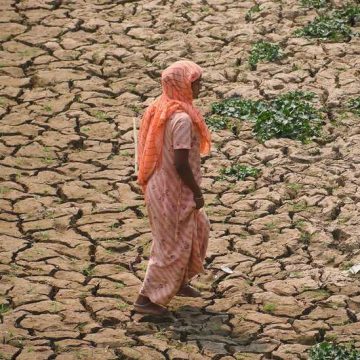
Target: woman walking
172, 135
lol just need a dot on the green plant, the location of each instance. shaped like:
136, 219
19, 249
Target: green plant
2, 101
81, 325
44, 235
4, 189
251, 12
346, 265
335, 26
331, 351
268, 307
326, 27
317, 4
89, 271
135, 108
4, 308
101, 115
349, 13
294, 186
354, 105
125, 153
121, 305
239, 172
119, 285
264, 51
270, 225
218, 122
290, 115
299, 206
305, 237
47, 108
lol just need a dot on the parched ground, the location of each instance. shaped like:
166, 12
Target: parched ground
73, 74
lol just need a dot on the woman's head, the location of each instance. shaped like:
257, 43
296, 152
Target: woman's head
181, 81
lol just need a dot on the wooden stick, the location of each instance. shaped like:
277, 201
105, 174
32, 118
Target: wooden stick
135, 143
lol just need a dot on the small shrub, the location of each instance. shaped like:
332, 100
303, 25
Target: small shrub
331, 351
354, 105
251, 12
349, 13
101, 115
335, 26
269, 307
317, 4
290, 115
239, 172
218, 122
326, 27
4, 308
264, 51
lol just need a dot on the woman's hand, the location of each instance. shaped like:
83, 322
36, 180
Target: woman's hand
199, 202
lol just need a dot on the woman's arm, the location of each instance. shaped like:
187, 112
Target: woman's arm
184, 170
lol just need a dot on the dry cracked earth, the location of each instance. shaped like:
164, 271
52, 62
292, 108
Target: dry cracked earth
73, 74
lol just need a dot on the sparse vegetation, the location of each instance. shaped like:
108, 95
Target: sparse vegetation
335, 26
305, 237
47, 108
332, 351
317, 4
253, 10
4, 308
239, 172
290, 115
264, 51
121, 305
354, 105
2, 101
89, 271
4, 190
294, 187
218, 122
269, 307
101, 115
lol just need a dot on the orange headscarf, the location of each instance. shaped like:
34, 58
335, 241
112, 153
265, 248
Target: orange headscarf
177, 95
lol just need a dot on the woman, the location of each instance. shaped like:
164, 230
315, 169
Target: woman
171, 137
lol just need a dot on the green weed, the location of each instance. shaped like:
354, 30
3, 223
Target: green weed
354, 105
121, 305
4, 308
218, 122
290, 115
47, 108
4, 190
331, 351
305, 237
299, 206
88, 271
119, 285
268, 307
317, 4
334, 26
239, 172
135, 108
101, 115
346, 265
264, 51
294, 186
253, 10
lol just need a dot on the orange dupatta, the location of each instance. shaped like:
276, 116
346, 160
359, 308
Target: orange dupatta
177, 95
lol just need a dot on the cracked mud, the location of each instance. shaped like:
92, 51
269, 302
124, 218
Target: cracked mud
72, 219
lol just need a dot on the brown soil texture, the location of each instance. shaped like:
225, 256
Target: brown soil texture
73, 74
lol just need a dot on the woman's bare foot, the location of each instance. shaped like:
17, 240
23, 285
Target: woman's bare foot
143, 305
188, 291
